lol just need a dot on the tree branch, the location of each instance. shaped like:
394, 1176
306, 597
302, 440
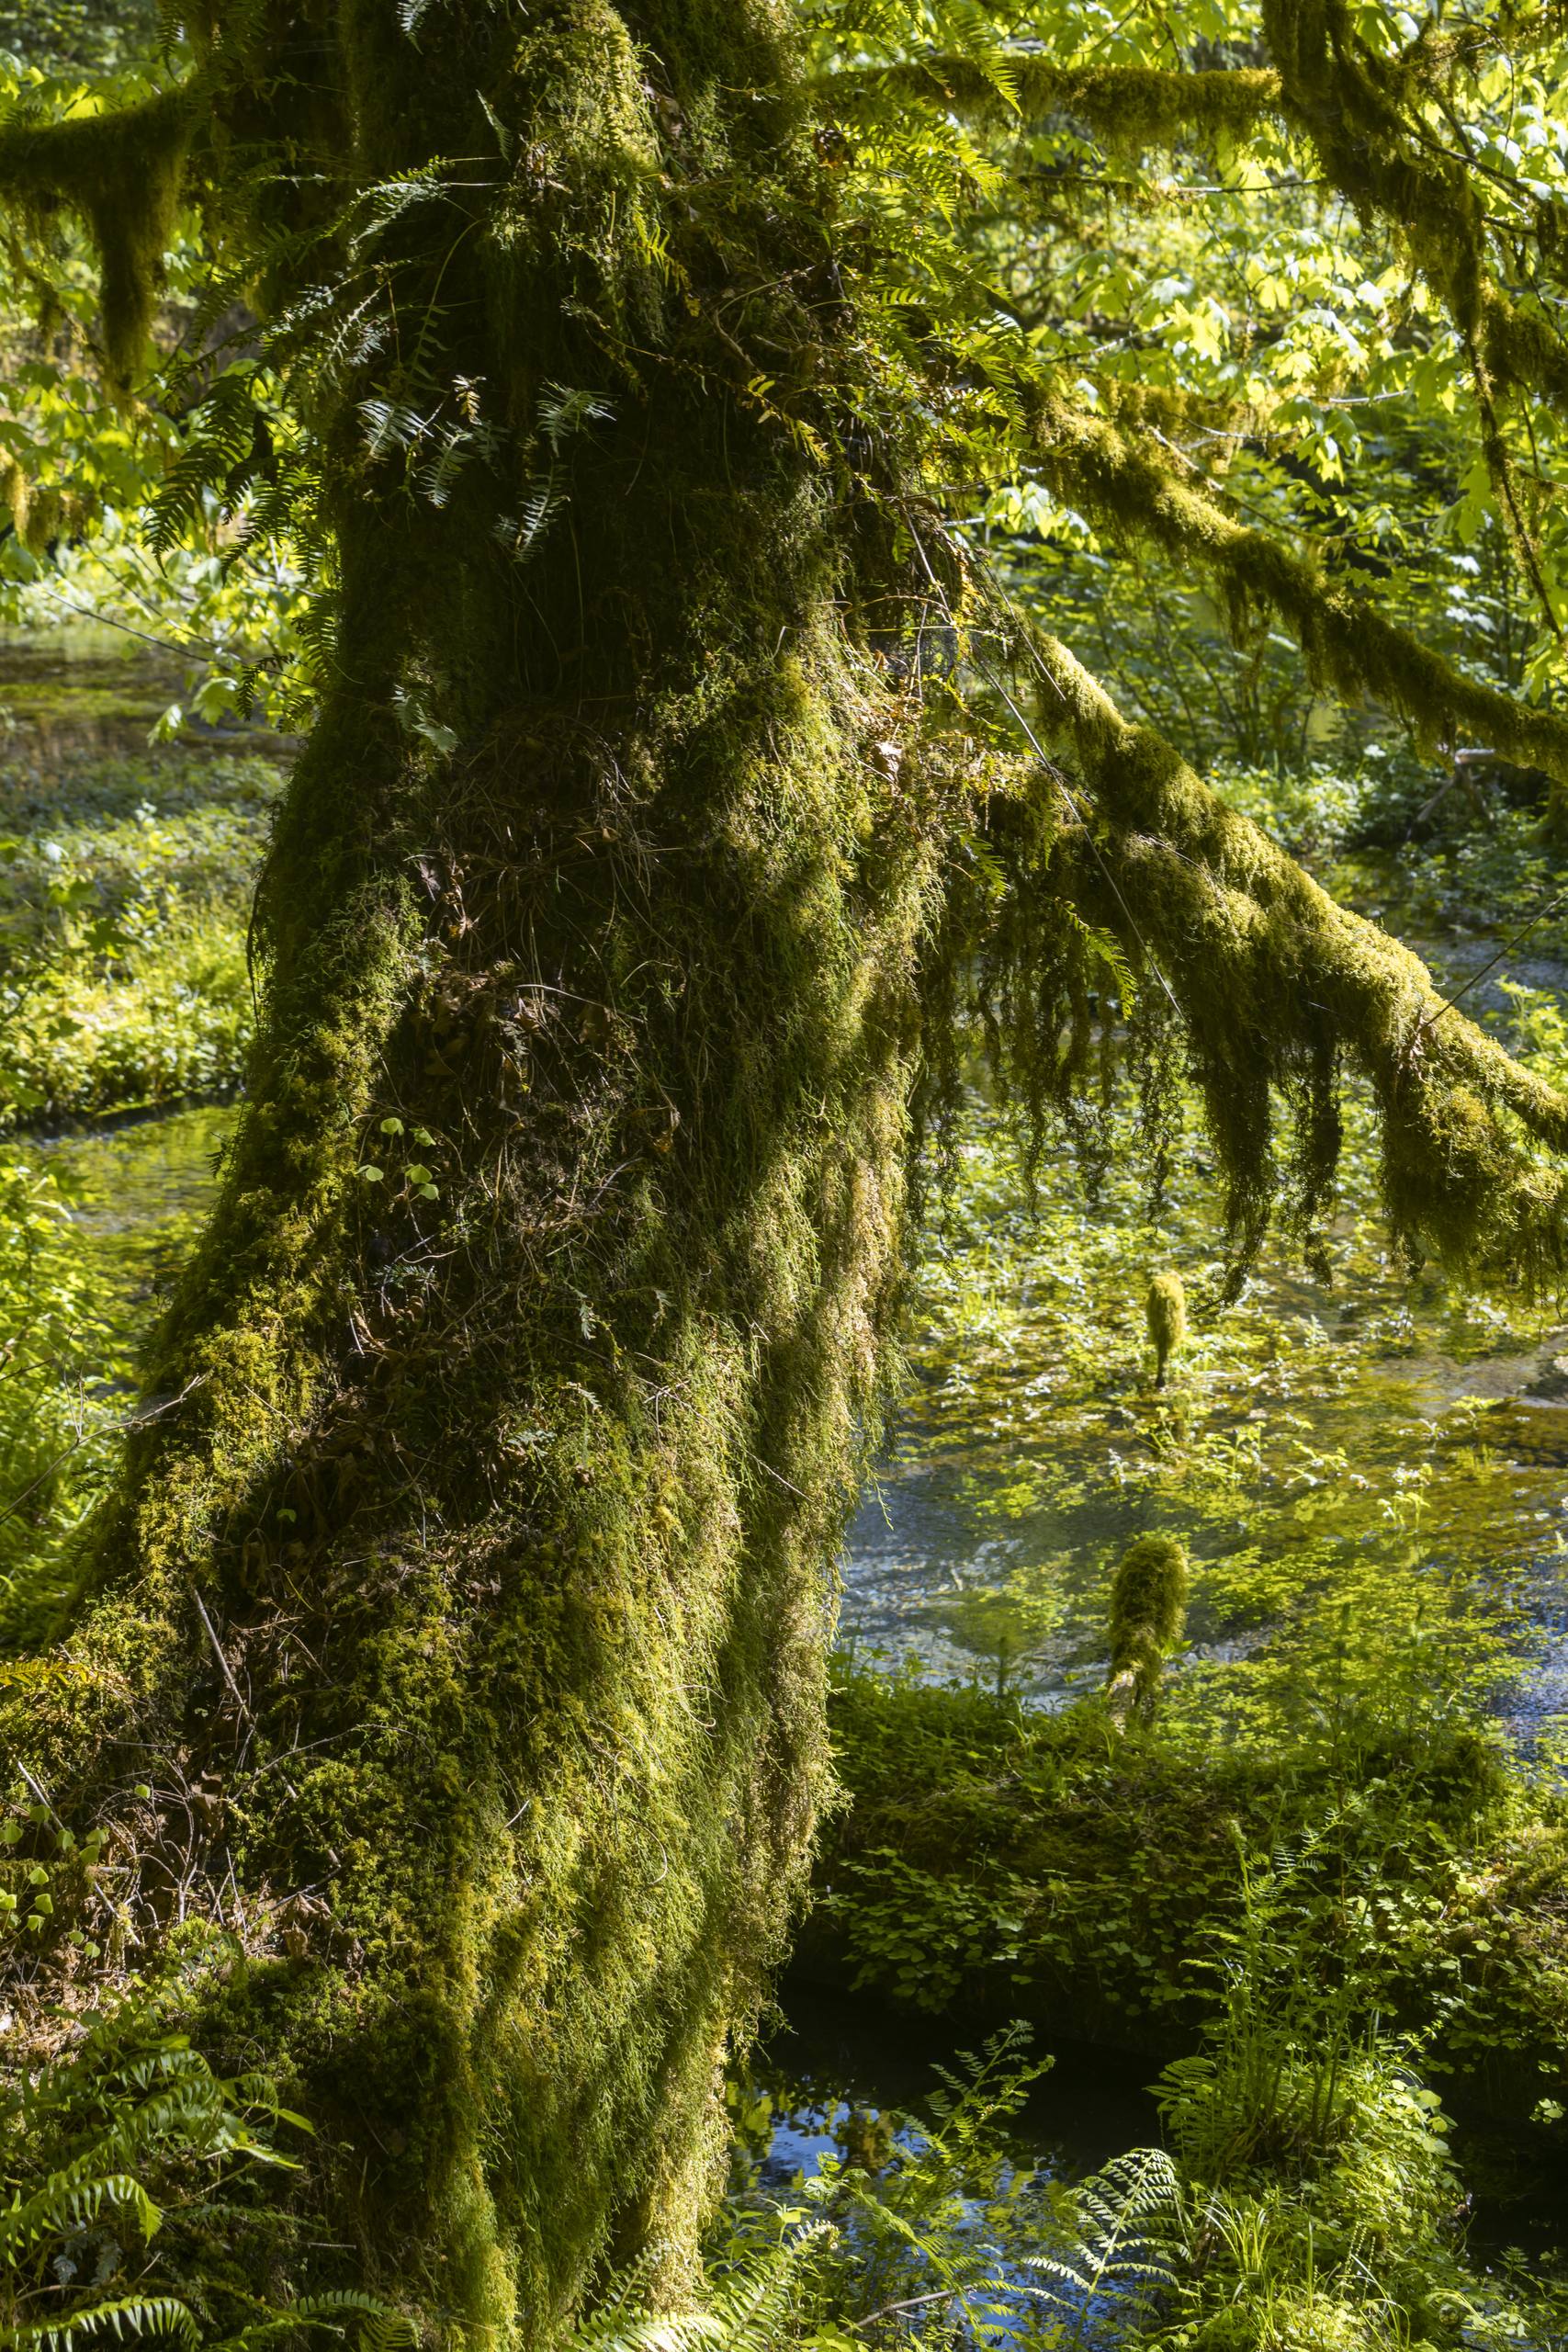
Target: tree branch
1356, 110
1278, 986
1350, 645
1125, 106
120, 172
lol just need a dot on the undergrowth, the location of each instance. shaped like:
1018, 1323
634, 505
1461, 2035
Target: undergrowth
1305, 2199
46, 1311
133, 2176
91, 1229
990, 1858
125, 888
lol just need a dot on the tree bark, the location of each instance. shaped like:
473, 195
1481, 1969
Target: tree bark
466, 1615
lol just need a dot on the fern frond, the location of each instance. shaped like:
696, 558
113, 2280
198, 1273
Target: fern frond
749, 2312
71, 2200
219, 434
130, 2318
378, 2328
1131, 2227
654, 2332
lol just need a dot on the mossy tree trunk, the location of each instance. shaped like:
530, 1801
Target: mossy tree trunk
464, 1604
467, 1615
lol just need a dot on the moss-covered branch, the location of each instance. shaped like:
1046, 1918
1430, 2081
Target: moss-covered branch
120, 173
1126, 106
1351, 646
1279, 987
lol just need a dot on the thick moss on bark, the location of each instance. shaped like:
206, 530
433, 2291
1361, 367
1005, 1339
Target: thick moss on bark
1278, 988
466, 1615
1364, 115
1131, 108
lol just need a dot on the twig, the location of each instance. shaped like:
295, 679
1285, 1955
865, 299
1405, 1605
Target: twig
1507, 949
40, 1796
165, 644
218, 1653
937, 2295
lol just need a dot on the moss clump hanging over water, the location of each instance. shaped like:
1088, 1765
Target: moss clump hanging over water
1165, 1309
1148, 1607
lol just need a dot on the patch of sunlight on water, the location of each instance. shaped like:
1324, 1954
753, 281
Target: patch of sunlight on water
1314, 1438
138, 1192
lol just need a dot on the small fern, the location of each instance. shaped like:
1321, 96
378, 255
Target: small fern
133, 2318
220, 433
751, 2307
129, 2172
1129, 2235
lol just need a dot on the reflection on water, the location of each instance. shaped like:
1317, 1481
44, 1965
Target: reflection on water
1382, 1426
851, 2081
848, 2077
137, 1192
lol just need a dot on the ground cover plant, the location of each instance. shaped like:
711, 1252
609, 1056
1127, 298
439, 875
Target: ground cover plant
125, 881
124, 901
136, 2174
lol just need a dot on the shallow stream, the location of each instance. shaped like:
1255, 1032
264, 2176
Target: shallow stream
1317, 1443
